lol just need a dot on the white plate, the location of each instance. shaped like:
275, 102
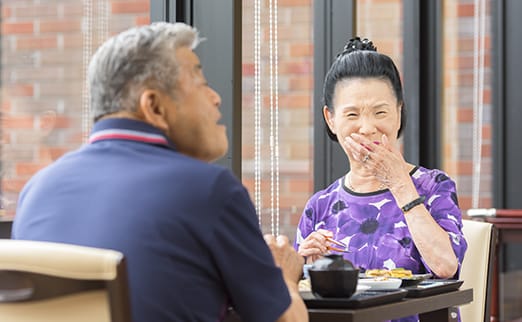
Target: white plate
305, 286
362, 288
375, 284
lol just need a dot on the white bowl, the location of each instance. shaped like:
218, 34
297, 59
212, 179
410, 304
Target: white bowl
378, 284
361, 288
305, 286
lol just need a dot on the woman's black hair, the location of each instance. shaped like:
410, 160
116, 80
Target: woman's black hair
360, 59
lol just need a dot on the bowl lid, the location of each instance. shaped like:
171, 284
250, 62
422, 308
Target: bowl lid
333, 262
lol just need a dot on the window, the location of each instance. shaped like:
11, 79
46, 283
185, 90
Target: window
45, 48
295, 90
466, 107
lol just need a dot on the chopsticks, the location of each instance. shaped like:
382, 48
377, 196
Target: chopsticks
344, 248
333, 241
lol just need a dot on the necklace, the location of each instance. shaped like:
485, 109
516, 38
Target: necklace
350, 186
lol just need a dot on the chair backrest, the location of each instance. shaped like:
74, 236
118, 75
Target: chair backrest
477, 269
43, 281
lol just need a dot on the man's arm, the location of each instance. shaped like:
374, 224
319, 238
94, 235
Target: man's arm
292, 266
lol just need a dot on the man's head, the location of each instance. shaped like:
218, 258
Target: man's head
150, 73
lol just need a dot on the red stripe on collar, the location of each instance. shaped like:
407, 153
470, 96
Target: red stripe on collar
130, 135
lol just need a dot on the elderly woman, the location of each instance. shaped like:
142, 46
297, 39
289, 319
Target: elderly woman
388, 212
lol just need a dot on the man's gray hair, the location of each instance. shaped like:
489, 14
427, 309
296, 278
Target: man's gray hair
134, 59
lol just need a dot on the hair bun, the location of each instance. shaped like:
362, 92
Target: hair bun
356, 44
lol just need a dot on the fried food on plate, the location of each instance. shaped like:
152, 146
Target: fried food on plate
393, 273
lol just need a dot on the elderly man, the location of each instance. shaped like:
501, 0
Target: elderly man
144, 186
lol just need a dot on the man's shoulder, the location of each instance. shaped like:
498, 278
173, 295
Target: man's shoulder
197, 168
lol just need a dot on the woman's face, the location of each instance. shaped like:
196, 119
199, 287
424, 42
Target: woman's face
366, 106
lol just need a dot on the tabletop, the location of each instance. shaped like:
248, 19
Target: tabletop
435, 308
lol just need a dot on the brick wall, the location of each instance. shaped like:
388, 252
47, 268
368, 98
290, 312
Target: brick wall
381, 21
295, 78
42, 80
458, 100
42, 70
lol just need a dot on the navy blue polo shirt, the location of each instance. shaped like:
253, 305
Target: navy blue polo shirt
188, 228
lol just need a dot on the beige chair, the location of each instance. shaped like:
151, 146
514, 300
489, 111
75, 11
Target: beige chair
477, 269
53, 282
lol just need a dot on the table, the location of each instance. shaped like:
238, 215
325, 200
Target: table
435, 308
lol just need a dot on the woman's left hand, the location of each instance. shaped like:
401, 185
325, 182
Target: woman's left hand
381, 159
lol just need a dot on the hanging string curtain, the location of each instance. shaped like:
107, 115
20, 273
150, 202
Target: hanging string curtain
273, 115
95, 30
479, 34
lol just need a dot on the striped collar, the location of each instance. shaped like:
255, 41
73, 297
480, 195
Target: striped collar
126, 129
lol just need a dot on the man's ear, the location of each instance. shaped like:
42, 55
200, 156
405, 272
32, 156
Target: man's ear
152, 109
328, 117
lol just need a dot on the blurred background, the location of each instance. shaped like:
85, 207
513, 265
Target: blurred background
46, 46
458, 59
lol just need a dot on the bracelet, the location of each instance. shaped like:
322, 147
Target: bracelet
412, 204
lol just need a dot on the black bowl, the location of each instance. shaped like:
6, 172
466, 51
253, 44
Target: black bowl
414, 280
333, 283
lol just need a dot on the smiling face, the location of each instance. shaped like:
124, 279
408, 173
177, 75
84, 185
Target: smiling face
366, 106
193, 121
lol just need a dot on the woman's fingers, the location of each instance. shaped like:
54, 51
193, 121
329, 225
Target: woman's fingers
325, 233
361, 151
307, 252
358, 152
315, 243
385, 141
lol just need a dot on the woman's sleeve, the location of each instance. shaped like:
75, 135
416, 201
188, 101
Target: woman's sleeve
442, 203
306, 223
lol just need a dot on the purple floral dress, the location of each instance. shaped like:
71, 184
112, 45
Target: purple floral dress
374, 228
